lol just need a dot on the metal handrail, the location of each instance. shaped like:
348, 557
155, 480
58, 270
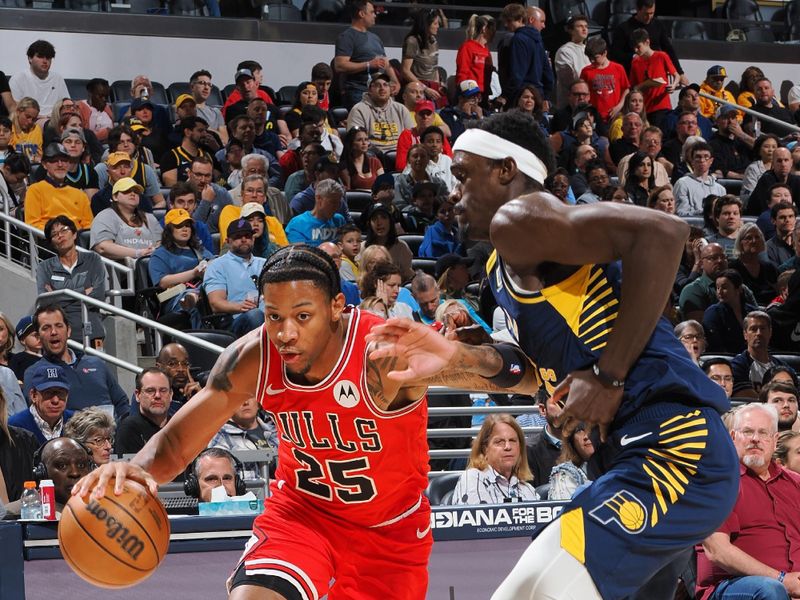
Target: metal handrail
114, 269
752, 113
144, 322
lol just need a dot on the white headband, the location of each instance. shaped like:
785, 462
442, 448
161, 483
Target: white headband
491, 146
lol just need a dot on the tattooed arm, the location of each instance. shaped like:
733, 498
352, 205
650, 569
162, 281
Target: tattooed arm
410, 356
230, 383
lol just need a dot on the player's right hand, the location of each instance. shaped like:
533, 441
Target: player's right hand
94, 484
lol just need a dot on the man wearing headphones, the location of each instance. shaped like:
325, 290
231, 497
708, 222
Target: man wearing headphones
212, 468
64, 461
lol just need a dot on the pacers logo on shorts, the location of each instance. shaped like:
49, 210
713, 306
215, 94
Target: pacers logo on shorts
346, 393
625, 509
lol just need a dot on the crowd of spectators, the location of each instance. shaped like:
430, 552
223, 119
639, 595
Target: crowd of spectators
358, 163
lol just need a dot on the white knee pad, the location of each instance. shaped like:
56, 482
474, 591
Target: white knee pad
546, 571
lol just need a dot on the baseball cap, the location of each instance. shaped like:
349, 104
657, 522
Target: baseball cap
25, 327
424, 105
252, 208
136, 124
126, 184
54, 150
378, 208
177, 216
184, 98
724, 109
243, 73
141, 103
385, 179
239, 227
48, 375
717, 71
448, 261
380, 74
469, 88
73, 131
117, 157
691, 86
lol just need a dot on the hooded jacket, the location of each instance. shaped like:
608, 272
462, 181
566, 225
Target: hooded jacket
529, 62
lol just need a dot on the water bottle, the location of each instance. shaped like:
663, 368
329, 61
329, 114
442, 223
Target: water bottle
31, 503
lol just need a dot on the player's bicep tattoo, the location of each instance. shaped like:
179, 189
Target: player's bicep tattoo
219, 378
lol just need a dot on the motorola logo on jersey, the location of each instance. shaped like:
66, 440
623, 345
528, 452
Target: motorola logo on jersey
624, 509
346, 393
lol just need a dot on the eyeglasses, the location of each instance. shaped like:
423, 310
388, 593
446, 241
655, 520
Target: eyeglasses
100, 440
691, 337
59, 232
150, 391
702, 157
755, 433
177, 363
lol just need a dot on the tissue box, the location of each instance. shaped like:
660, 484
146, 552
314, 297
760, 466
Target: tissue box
229, 507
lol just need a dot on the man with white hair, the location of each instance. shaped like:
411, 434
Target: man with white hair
756, 551
257, 164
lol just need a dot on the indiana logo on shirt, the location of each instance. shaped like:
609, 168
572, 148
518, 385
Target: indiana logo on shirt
346, 393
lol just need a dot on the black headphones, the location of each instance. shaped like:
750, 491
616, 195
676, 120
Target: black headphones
191, 485
40, 469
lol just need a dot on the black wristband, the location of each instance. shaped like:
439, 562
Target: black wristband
606, 379
513, 368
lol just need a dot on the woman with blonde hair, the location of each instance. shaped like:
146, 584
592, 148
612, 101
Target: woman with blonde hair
497, 470
758, 274
474, 60
634, 102
27, 137
15, 402
94, 428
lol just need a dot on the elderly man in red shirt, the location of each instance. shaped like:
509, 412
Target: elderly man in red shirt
755, 554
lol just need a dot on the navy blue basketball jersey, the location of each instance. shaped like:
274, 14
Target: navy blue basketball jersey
564, 327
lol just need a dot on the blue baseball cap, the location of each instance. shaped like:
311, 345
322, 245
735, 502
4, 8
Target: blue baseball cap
25, 327
48, 375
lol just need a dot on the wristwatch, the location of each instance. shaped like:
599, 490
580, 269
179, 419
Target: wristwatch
606, 379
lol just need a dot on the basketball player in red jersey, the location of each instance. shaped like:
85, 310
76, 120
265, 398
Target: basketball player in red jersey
346, 503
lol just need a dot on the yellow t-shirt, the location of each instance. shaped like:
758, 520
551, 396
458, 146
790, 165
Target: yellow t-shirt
43, 201
230, 213
29, 144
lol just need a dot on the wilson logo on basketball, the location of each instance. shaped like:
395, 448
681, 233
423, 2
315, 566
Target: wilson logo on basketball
346, 393
115, 530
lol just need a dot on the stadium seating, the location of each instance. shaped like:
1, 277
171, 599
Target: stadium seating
440, 487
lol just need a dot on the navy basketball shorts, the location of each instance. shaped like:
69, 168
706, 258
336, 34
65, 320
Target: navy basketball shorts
673, 483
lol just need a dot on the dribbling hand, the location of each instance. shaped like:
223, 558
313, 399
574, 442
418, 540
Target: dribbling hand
585, 399
93, 485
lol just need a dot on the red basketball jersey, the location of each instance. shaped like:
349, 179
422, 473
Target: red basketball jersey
338, 450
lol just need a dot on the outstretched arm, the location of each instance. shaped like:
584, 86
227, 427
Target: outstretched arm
230, 383
431, 359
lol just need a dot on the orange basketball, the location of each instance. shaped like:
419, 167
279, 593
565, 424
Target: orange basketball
117, 541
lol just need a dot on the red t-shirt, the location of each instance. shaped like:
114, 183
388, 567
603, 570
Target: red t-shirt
472, 62
656, 66
763, 524
606, 86
409, 137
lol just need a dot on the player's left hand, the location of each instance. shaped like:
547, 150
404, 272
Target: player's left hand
584, 398
424, 350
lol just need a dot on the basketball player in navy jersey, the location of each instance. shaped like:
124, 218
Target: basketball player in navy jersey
602, 349
346, 503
